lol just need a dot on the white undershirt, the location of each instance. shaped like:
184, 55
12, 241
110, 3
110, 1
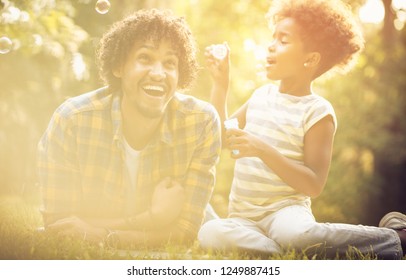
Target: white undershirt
132, 157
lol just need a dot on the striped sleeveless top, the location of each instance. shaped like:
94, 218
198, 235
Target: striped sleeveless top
281, 120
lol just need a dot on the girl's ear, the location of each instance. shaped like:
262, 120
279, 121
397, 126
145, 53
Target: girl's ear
313, 59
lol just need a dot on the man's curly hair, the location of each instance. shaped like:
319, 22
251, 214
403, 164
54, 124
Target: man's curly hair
327, 27
144, 25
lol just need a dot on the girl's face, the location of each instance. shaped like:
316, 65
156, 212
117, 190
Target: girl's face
287, 56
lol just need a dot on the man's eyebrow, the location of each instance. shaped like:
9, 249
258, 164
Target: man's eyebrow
151, 47
147, 47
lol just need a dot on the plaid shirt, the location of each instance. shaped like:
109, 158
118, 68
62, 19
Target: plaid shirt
82, 166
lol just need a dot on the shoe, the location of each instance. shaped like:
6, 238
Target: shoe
393, 220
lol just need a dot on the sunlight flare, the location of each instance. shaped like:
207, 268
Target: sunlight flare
372, 11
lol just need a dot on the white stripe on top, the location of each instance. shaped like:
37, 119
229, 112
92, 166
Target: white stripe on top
282, 120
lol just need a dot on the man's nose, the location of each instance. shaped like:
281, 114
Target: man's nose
157, 71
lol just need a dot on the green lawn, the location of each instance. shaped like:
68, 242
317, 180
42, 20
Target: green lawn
20, 240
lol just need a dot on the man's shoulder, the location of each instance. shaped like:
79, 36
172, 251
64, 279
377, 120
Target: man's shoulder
191, 117
96, 100
189, 105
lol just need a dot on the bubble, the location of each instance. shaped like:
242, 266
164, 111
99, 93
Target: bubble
5, 45
219, 51
102, 6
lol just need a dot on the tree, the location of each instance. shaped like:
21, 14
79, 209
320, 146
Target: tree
44, 39
369, 166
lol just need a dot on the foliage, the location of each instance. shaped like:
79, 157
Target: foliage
51, 37
371, 136
44, 39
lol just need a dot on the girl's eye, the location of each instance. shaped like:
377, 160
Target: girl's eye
280, 39
284, 40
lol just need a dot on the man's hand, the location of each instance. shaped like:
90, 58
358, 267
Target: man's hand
167, 201
77, 228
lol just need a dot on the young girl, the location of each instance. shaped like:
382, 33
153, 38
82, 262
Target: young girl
285, 142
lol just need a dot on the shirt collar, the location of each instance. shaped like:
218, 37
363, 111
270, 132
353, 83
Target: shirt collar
166, 129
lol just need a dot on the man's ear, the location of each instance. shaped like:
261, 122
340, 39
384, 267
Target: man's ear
313, 59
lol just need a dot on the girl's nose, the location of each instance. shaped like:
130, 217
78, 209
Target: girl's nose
271, 46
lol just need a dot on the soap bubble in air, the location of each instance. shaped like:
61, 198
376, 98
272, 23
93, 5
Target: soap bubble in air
219, 51
5, 45
102, 6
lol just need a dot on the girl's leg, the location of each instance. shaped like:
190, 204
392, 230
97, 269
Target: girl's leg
295, 226
236, 234
397, 222
402, 235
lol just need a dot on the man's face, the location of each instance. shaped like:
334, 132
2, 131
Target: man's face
149, 77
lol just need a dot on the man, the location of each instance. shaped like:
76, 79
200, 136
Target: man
133, 163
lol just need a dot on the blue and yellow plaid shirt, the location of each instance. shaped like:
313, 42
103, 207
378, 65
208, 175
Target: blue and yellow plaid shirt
82, 159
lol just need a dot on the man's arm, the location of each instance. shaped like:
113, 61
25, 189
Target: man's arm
57, 170
161, 228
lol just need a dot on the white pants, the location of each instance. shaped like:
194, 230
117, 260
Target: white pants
295, 227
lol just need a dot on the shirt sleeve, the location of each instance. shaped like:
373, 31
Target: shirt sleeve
200, 178
317, 111
57, 168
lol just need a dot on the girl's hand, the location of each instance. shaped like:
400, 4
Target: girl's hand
219, 68
246, 143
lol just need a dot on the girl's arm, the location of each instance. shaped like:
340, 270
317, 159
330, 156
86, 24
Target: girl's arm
220, 72
309, 178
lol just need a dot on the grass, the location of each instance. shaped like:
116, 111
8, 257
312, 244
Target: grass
20, 240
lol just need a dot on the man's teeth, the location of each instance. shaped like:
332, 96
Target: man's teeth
154, 90
157, 88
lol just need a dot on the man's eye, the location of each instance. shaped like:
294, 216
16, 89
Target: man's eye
172, 63
144, 58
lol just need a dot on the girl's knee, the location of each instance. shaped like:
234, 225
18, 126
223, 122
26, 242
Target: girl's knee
211, 234
296, 238
293, 226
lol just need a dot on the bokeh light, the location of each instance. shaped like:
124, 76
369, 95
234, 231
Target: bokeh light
399, 4
372, 11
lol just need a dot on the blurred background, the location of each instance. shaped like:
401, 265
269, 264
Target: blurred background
47, 51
